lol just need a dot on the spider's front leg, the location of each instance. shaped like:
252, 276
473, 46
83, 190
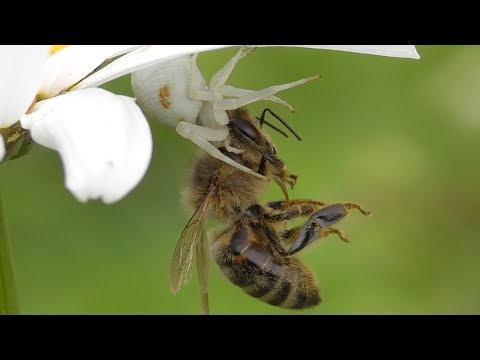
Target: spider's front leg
217, 91
214, 94
202, 136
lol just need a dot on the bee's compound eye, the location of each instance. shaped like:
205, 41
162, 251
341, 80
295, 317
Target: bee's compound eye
245, 128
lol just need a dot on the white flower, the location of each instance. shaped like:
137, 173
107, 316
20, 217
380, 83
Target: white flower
400, 51
151, 55
103, 139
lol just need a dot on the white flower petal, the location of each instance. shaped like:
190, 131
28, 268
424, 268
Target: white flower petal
20, 74
404, 51
103, 139
71, 64
154, 54
141, 58
2, 148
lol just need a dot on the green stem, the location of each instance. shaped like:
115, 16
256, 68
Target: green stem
8, 291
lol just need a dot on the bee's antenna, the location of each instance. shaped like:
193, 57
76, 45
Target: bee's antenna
262, 120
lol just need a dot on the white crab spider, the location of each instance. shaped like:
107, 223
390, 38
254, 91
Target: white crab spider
175, 93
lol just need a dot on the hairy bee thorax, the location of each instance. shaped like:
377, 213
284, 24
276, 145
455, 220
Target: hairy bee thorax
232, 190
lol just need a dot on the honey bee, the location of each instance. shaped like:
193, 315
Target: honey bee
250, 252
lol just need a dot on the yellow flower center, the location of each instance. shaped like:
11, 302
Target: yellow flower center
56, 48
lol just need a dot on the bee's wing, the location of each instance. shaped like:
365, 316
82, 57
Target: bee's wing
180, 267
203, 263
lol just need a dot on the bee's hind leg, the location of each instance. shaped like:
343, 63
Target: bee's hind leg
353, 206
320, 224
288, 237
284, 211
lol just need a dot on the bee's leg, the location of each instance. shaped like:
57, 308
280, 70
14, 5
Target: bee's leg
320, 224
201, 136
284, 211
288, 237
352, 206
333, 230
279, 212
322, 218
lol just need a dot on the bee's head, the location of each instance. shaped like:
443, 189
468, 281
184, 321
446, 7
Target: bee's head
258, 150
247, 135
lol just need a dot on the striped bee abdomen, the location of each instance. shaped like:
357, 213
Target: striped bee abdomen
279, 281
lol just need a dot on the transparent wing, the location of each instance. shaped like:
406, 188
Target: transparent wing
180, 267
203, 266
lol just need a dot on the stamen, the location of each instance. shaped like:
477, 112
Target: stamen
56, 48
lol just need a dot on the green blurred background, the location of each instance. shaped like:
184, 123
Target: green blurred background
401, 137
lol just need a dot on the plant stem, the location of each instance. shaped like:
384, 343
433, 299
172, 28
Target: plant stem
8, 291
